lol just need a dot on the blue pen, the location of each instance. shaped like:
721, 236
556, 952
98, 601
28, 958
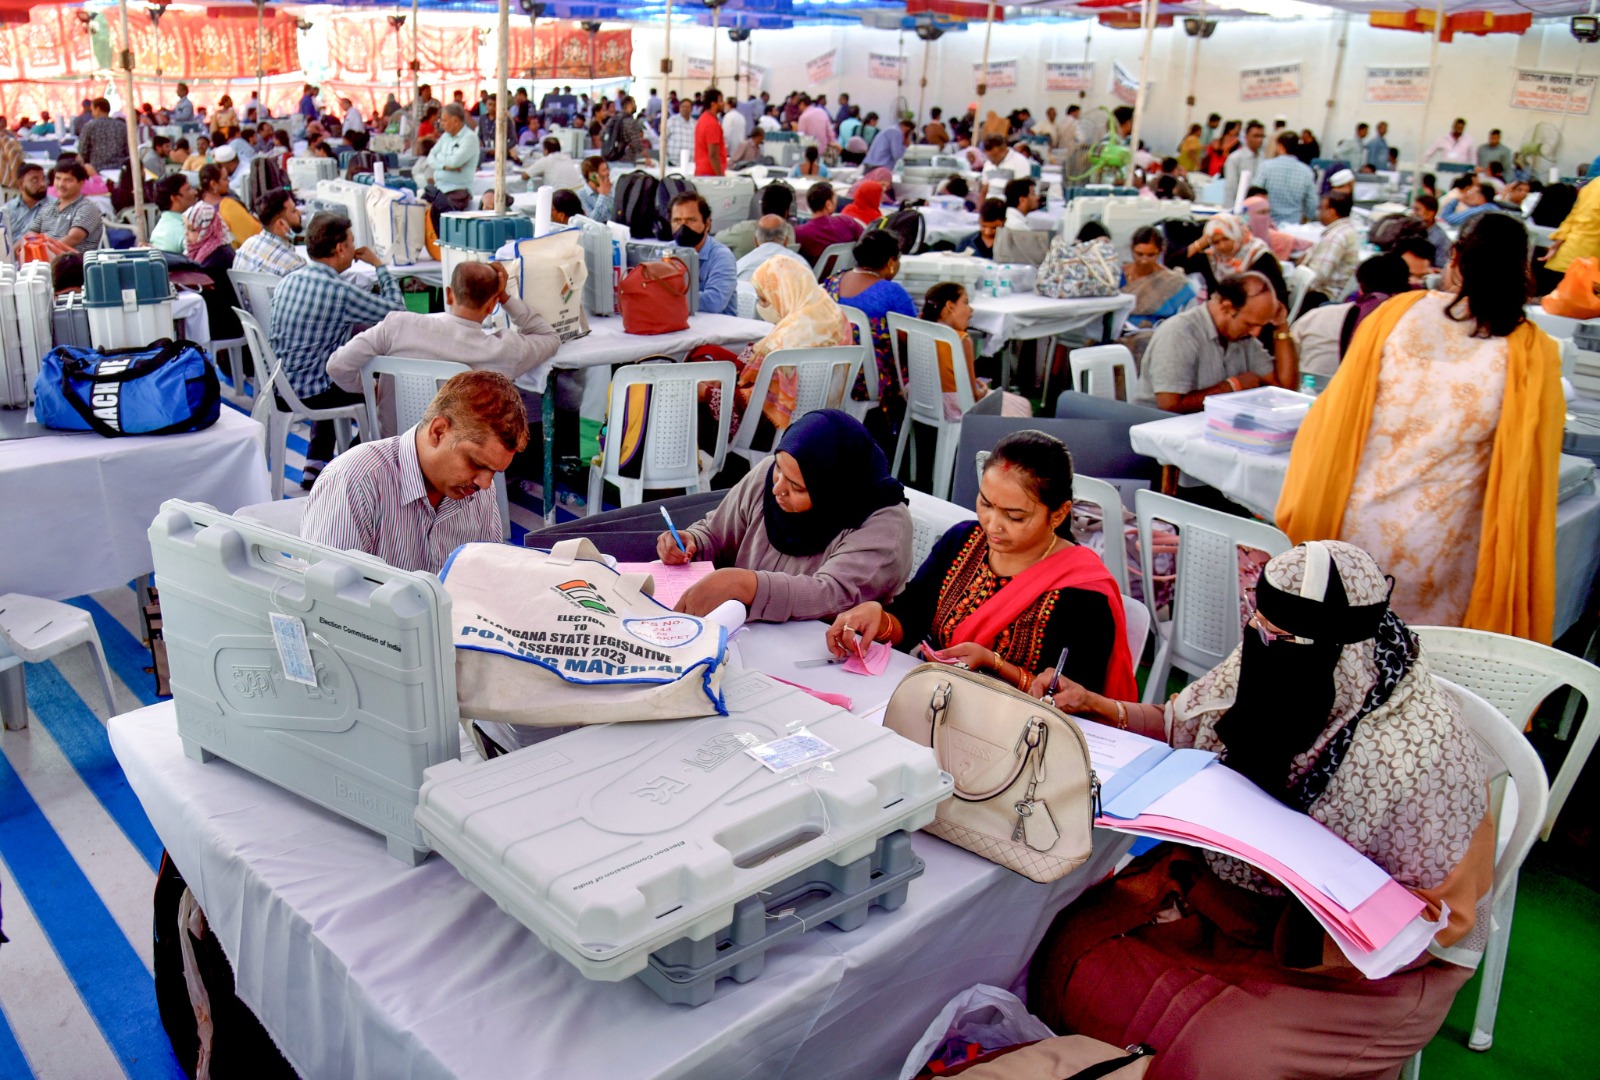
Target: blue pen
673, 529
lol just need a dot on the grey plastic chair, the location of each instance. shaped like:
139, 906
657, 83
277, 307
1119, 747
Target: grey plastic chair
835, 259
824, 377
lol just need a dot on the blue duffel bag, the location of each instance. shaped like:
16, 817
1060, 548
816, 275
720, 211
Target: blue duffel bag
162, 388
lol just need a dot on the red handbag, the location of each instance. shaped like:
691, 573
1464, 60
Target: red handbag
654, 297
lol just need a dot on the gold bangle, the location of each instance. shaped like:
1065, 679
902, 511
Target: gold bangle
1122, 716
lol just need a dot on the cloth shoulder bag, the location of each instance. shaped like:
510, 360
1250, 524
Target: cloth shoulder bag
654, 297
165, 388
1075, 269
556, 638
1025, 792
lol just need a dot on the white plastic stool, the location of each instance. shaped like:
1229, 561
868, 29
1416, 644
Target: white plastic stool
33, 629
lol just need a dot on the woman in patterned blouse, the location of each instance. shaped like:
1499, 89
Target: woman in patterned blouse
1007, 594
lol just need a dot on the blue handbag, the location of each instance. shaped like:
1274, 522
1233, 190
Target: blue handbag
162, 388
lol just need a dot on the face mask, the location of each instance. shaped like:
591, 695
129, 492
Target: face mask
687, 237
770, 314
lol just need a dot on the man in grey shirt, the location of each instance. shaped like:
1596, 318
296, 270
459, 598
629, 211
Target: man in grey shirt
1246, 159
1214, 349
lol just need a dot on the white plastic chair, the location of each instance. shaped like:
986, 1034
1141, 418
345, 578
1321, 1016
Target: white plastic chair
916, 352
276, 420
1520, 809
1094, 371
32, 630
255, 293
869, 359
1299, 282
931, 518
1104, 495
835, 258
746, 296
1205, 624
824, 377
670, 451
1557, 326
1136, 621
285, 515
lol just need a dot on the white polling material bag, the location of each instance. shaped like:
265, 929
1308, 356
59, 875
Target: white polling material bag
557, 638
399, 224
549, 274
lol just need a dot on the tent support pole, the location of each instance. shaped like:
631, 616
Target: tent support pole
1338, 78
666, 75
922, 91
261, 61
130, 120
502, 107
983, 74
1194, 71
1147, 18
416, 81
1433, 80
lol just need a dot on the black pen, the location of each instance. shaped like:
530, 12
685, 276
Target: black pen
1055, 681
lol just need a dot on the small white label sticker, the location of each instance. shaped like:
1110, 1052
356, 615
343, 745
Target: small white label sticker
293, 649
792, 751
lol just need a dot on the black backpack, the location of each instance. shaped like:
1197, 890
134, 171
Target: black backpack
1180, 233
670, 189
611, 141
265, 175
635, 204
906, 227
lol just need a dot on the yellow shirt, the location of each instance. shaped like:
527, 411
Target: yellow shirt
1580, 232
240, 222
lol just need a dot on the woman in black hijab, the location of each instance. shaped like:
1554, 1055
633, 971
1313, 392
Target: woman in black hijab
819, 527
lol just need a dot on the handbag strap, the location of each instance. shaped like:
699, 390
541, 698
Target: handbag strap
1106, 1068
170, 350
939, 706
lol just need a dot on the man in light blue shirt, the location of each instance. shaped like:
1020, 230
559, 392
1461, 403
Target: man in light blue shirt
719, 272
1474, 199
454, 159
33, 191
1290, 183
774, 236
183, 111
1378, 148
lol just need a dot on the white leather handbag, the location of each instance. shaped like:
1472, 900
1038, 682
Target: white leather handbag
1025, 793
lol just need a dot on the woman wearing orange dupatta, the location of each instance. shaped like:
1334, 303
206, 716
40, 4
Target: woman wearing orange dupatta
1436, 446
1007, 594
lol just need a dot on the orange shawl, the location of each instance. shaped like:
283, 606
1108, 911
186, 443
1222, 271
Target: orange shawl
1514, 590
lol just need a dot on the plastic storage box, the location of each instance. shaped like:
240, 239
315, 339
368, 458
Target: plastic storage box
306, 172
351, 198
732, 199
1263, 420
383, 707
482, 231
26, 329
613, 842
128, 297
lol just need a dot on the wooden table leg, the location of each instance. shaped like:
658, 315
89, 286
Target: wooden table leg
1169, 480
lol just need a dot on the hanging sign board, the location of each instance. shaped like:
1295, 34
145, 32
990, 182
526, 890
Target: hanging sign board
1269, 83
821, 69
1548, 91
697, 67
1396, 86
884, 66
1068, 75
1002, 74
1124, 84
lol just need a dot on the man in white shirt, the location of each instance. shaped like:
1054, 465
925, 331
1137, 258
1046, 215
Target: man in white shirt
455, 334
735, 129
352, 117
1246, 159
1455, 146
1352, 151
1022, 198
413, 499
556, 168
1001, 156
774, 237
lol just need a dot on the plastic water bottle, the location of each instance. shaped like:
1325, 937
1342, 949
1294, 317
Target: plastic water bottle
1005, 280
1308, 384
985, 283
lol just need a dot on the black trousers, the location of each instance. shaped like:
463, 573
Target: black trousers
322, 434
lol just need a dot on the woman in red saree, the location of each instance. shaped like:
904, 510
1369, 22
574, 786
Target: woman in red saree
1006, 594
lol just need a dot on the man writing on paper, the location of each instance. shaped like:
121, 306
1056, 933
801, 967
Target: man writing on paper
413, 499
1329, 707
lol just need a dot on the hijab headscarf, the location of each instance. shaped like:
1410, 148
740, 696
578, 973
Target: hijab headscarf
865, 206
203, 231
808, 318
1258, 211
1351, 729
1247, 247
845, 474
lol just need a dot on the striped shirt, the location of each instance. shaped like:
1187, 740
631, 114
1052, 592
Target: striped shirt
314, 312
1334, 259
267, 253
373, 498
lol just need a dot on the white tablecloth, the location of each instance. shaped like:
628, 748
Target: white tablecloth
190, 307
361, 966
1254, 481
77, 506
1029, 316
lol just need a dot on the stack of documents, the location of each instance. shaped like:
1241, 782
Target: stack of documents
1150, 789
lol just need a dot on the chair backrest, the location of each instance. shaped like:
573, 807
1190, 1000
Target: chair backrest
268, 368
1092, 490
931, 518
1136, 620
669, 455
746, 295
1206, 623
412, 382
1519, 809
1516, 676
1300, 279
255, 292
834, 259
863, 327
1557, 326
1094, 370
823, 378
916, 351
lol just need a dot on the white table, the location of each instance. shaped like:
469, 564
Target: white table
1255, 480
190, 307
1031, 317
592, 357
774, 648
361, 966
77, 506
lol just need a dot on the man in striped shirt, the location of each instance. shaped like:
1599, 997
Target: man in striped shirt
315, 311
413, 499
